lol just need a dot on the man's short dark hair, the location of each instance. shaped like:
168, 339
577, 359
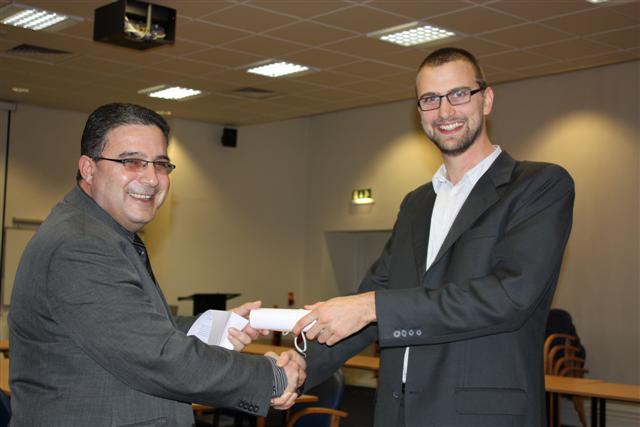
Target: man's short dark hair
449, 54
110, 116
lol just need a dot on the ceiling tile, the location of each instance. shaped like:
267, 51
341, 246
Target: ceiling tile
513, 60
225, 57
526, 35
569, 49
364, 47
479, 47
368, 69
320, 58
591, 21
625, 39
534, 10
377, 87
75, 8
179, 48
194, 8
188, 67
310, 33
301, 8
248, 18
419, 10
264, 46
475, 20
97, 65
362, 19
629, 9
327, 78
207, 33
408, 58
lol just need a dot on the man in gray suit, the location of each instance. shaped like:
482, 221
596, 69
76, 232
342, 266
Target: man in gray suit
459, 298
92, 340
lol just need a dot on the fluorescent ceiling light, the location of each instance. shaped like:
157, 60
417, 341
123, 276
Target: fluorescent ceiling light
597, 1
277, 69
17, 89
412, 34
32, 18
171, 92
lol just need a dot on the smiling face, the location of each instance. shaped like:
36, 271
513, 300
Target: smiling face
454, 128
131, 198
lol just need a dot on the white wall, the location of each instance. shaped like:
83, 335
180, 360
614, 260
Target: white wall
234, 219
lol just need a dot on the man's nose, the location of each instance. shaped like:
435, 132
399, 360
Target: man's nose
149, 174
446, 109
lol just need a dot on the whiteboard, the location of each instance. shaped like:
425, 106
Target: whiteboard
15, 240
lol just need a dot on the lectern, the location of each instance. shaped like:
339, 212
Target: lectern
203, 302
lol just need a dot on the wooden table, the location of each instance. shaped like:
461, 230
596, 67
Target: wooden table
598, 391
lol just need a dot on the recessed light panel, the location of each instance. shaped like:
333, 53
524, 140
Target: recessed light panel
171, 92
22, 16
412, 34
277, 69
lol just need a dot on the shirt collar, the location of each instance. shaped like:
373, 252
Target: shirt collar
471, 177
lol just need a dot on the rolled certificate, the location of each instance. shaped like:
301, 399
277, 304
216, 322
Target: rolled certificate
277, 319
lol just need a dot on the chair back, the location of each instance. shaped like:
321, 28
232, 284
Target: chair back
329, 395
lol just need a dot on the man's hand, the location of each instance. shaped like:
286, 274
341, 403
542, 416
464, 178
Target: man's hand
338, 317
294, 366
240, 339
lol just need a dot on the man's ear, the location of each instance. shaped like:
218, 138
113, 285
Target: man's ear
487, 101
86, 166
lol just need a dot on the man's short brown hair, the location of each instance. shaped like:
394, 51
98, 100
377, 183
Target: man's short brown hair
449, 54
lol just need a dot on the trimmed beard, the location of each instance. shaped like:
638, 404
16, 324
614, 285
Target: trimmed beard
466, 142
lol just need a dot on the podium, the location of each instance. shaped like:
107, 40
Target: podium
203, 302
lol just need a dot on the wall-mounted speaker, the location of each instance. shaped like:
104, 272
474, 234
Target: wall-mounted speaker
229, 137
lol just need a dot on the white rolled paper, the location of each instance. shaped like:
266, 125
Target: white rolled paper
277, 319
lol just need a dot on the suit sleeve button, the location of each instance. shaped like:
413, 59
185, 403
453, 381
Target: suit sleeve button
411, 332
403, 333
395, 395
396, 334
418, 332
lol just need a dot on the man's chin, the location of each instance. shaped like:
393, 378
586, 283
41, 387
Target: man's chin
453, 149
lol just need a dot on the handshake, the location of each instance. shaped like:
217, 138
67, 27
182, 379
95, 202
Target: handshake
327, 322
261, 322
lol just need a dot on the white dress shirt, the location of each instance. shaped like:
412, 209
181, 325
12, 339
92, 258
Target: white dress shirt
449, 201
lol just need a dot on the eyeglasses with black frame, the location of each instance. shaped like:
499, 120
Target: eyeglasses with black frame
138, 165
457, 96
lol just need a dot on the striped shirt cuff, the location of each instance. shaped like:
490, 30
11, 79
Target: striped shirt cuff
279, 379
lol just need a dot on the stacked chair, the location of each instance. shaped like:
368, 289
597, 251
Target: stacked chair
564, 356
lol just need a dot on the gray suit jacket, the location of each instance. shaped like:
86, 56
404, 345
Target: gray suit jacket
475, 321
93, 342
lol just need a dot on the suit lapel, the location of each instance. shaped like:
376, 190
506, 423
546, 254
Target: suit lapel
483, 195
420, 226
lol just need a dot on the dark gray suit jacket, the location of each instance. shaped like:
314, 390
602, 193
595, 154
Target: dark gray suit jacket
475, 321
93, 342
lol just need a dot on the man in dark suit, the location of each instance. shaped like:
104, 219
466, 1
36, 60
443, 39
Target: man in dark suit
92, 340
459, 297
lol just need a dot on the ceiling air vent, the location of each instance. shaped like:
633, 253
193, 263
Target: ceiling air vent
40, 53
254, 93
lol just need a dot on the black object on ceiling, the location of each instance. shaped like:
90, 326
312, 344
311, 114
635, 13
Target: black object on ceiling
134, 24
